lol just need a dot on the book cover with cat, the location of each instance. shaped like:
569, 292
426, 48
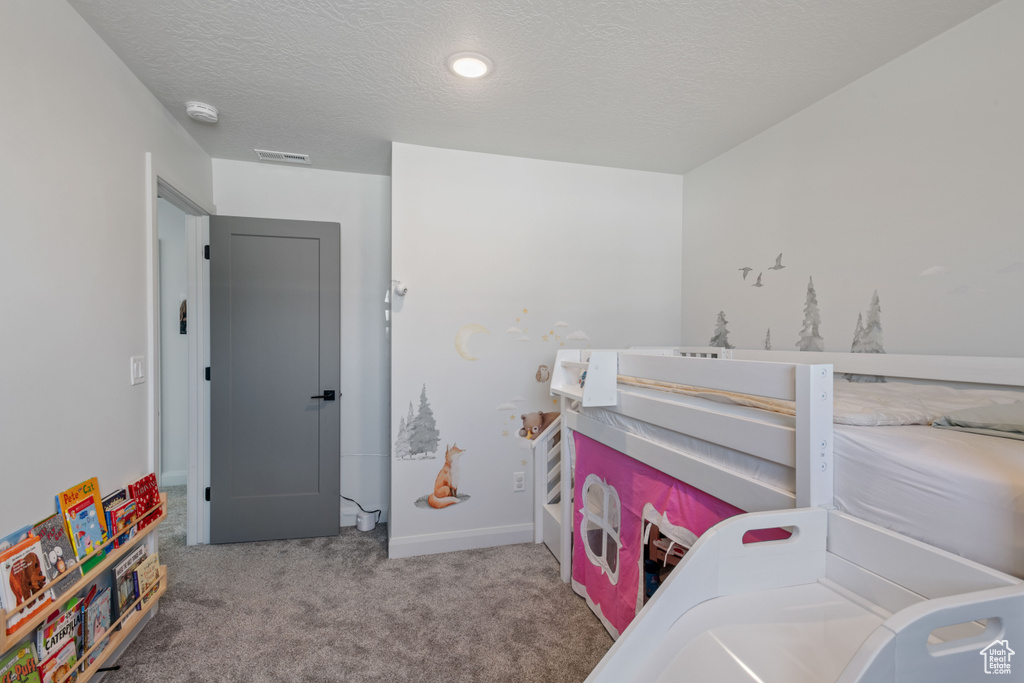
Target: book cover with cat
57, 551
63, 661
88, 489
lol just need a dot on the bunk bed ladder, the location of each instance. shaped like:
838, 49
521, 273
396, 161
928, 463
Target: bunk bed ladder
547, 470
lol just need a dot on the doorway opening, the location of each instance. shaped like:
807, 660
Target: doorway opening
173, 317
180, 348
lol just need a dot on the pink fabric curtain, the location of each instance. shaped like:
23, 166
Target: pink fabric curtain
636, 484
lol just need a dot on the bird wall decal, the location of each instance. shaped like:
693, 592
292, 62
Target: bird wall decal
778, 263
745, 272
758, 283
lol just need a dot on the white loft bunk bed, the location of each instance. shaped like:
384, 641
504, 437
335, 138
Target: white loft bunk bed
887, 607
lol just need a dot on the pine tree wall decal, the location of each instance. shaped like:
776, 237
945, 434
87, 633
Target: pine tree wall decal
721, 337
768, 340
867, 338
872, 337
858, 335
810, 340
423, 435
402, 448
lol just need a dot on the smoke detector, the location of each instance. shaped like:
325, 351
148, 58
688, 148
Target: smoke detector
200, 111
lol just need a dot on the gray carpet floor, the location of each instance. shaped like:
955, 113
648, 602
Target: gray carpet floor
337, 609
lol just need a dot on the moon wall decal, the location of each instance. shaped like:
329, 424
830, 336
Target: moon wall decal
462, 339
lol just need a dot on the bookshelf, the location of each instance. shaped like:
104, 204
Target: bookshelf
9, 640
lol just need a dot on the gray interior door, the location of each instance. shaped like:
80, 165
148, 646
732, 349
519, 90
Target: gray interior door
275, 337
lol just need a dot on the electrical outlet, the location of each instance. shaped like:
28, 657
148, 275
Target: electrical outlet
519, 481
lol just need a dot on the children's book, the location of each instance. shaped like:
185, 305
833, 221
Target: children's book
96, 616
22, 575
20, 665
63, 661
15, 538
147, 576
124, 581
86, 533
147, 497
61, 627
9, 541
57, 551
111, 501
120, 518
89, 488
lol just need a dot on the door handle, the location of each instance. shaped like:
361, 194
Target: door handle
328, 395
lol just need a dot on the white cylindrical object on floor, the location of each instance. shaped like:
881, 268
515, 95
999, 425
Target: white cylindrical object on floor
365, 521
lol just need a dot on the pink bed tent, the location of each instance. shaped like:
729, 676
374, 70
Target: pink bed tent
616, 499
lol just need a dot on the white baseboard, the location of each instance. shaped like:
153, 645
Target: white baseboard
176, 478
429, 544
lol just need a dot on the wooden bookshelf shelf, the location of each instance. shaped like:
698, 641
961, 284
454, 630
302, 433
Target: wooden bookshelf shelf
158, 514
117, 636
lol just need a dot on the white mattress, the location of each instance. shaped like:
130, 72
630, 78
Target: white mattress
958, 491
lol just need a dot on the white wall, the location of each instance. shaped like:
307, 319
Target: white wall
507, 243
361, 204
74, 130
173, 346
907, 182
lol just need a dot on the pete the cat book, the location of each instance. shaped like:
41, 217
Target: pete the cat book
90, 488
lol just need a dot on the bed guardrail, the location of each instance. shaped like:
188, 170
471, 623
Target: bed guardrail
803, 443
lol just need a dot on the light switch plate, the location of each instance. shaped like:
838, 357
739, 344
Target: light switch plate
138, 369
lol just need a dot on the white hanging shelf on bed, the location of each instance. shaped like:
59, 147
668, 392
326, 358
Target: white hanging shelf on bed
586, 376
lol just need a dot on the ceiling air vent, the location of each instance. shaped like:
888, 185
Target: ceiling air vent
286, 157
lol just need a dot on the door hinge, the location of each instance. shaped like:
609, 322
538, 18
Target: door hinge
206, 252
207, 494
207, 374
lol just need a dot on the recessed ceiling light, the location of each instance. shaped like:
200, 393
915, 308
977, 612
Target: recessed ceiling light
470, 64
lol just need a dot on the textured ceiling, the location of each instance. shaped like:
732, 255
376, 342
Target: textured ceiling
659, 85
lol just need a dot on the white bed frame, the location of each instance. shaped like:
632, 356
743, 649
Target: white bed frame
901, 590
